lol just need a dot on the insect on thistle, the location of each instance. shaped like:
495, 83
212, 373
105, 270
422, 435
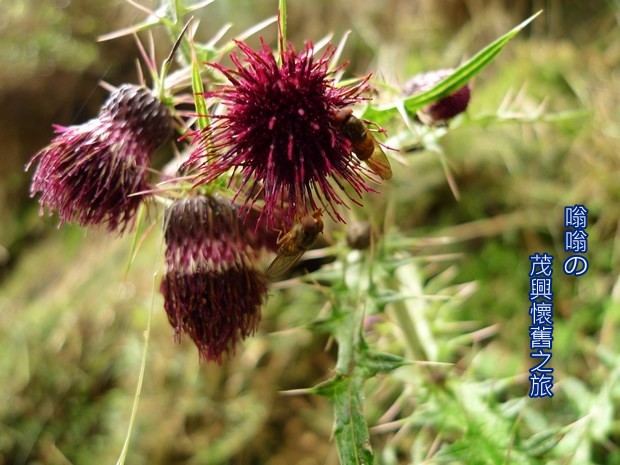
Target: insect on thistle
363, 143
295, 242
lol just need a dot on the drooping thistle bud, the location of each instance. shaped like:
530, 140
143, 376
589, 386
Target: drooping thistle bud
444, 109
89, 172
278, 131
359, 235
212, 291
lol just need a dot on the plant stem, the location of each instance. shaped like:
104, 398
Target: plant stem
281, 28
346, 393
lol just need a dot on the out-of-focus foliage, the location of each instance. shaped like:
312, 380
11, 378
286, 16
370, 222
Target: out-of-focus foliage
39, 37
51, 65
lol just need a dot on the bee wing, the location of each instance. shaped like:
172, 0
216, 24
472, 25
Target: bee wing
379, 163
282, 263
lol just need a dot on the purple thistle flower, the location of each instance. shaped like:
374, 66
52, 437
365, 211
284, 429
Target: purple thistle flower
278, 131
212, 292
444, 109
88, 172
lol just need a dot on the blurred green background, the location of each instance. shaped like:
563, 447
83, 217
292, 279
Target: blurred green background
72, 317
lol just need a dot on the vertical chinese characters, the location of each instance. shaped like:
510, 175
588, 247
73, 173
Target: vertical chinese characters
576, 240
541, 329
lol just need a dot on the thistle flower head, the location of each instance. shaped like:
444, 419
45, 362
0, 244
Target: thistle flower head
444, 109
277, 129
88, 172
211, 290
204, 232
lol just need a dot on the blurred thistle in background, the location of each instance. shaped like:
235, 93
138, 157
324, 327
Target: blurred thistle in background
444, 109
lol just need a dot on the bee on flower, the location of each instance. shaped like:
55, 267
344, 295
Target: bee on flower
278, 130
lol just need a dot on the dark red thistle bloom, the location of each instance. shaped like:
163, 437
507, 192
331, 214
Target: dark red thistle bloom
212, 292
277, 129
444, 109
89, 171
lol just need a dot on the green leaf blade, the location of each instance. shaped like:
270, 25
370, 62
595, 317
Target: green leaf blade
198, 90
461, 76
350, 429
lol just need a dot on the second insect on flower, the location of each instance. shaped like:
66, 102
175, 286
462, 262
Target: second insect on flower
278, 131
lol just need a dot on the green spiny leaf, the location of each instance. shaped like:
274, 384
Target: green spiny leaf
328, 325
374, 363
541, 443
350, 429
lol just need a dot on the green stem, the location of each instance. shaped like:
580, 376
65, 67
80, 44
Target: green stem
410, 318
147, 338
350, 428
198, 90
167, 64
281, 29
174, 24
134, 409
414, 349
